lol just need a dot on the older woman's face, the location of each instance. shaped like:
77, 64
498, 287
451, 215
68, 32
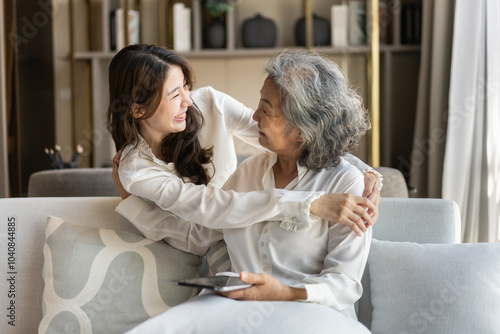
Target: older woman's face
275, 133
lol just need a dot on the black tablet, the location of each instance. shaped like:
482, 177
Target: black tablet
216, 283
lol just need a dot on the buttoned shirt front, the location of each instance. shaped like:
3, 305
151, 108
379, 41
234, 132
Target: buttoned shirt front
328, 259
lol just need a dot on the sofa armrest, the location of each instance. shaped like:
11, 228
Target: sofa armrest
72, 182
420, 220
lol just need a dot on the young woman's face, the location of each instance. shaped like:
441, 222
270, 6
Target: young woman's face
275, 133
170, 116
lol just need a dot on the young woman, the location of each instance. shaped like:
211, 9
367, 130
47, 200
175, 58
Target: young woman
178, 157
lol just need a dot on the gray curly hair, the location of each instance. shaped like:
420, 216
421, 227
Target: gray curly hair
317, 99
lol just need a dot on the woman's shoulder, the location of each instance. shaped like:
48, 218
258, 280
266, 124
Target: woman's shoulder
205, 94
348, 171
129, 153
345, 166
137, 154
342, 177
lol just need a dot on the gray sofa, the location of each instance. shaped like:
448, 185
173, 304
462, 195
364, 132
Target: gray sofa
416, 220
87, 270
98, 182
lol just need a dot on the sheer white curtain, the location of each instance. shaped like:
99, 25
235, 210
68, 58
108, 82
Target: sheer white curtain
471, 175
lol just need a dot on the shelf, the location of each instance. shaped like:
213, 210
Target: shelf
220, 67
251, 52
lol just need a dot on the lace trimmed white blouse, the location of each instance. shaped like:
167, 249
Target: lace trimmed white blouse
328, 259
149, 178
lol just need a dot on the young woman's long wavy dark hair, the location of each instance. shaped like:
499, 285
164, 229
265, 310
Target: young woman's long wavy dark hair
137, 74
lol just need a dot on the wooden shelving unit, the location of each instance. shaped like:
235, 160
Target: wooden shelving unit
90, 55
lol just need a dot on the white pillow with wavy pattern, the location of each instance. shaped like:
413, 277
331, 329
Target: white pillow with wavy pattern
105, 281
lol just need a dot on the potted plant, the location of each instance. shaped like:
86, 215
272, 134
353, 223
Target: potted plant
217, 8
215, 29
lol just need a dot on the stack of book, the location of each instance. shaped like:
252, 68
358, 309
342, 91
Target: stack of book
411, 23
179, 27
117, 28
182, 27
351, 23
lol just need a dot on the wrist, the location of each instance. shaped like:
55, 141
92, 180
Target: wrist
314, 207
297, 294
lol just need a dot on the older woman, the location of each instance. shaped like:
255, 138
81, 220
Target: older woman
306, 278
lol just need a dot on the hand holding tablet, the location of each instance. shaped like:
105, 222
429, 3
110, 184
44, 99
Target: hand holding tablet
219, 283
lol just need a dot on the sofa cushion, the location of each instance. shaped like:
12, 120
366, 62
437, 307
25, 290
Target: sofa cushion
72, 182
106, 281
435, 288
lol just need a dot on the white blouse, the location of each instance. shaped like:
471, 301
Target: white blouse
146, 176
327, 260
154, 181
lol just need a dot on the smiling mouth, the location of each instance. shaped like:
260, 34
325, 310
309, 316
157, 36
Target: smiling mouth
181, 116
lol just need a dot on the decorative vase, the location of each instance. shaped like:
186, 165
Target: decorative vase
214, 36
321, 31
258, 32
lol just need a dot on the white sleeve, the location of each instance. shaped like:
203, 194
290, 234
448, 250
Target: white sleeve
157, 224
339, 283
212, 207
238, 118
363, 167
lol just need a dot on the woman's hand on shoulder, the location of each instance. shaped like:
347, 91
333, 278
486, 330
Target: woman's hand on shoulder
265, 287
372, 188
357, 212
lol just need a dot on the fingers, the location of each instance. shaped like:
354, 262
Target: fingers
244, 294
366, 202
252, 278
374, 217
368, 191
370, 183
375, 198
359, 229
354, 211
358, 224
364, 216
359, 215
365, 210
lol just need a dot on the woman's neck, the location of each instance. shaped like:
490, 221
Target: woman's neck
154, 143
285, 170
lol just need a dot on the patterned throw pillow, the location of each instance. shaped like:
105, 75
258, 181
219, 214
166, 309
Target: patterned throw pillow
218, 258
105, 281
